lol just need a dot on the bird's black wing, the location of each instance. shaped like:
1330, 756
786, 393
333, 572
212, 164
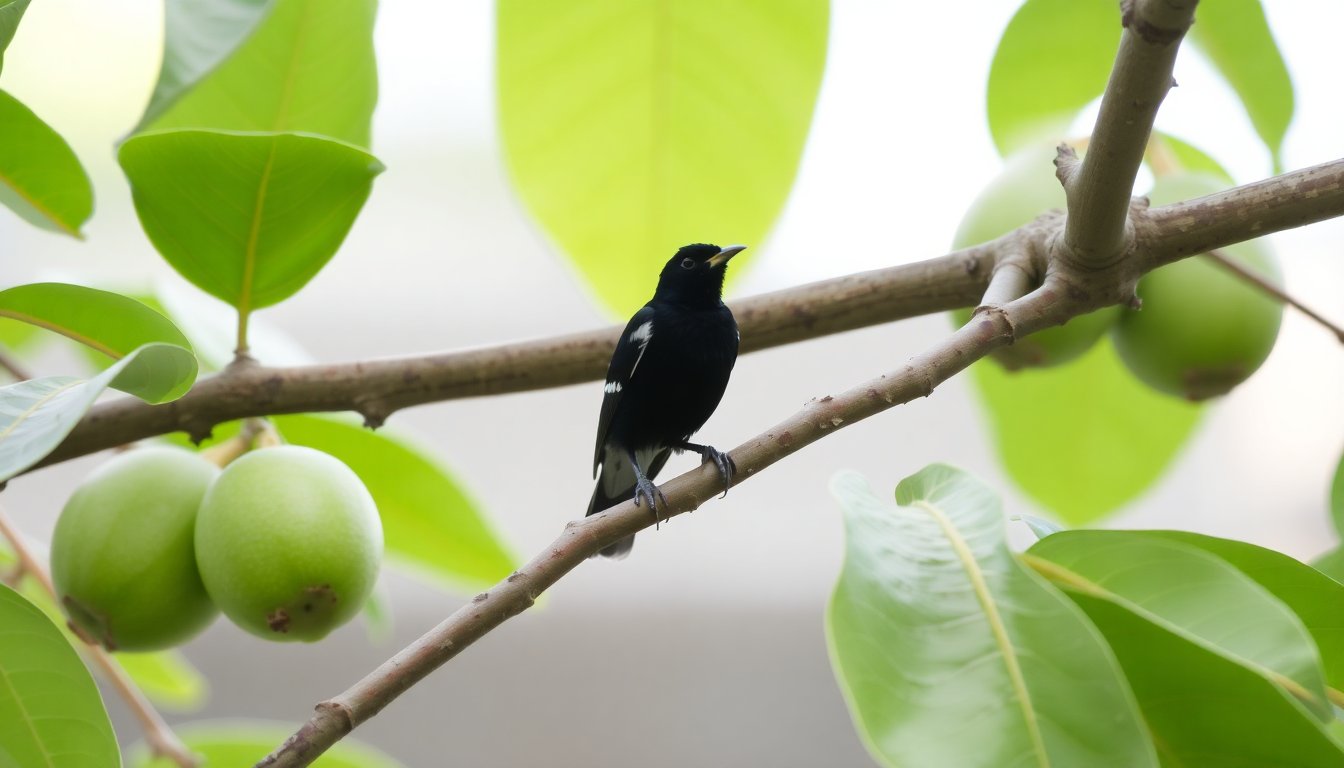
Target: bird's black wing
629, 350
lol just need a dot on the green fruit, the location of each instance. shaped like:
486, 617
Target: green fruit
1202, 331
122, 557
288, 541
1026, 188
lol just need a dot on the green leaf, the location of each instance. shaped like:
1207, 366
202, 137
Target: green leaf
36, 415
631, 129
1331, 564
11, 11
949, 652
1235, 37
1337, 497
1031, 94
108, 322
228, 744
287, 65
377, 615
40, 178
1203, 708
1084, 438
248, 218
1189, 158
50, 712
1195, 595
429, 522
167, 678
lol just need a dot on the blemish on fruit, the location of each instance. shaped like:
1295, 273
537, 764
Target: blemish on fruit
278, 620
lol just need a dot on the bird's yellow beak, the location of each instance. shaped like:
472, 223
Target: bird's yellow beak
726, 254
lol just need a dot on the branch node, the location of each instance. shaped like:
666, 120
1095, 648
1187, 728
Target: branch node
374, 416
1066, 164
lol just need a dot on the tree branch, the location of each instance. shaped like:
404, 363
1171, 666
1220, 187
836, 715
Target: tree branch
584, 538
1099, 189
1264, 285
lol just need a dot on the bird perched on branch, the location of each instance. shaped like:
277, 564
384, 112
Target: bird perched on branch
666, 377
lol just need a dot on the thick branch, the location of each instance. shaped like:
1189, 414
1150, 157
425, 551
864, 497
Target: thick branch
1099, 190
582, 539
377, 388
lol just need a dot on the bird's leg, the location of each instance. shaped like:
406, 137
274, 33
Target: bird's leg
646, 489
721, 460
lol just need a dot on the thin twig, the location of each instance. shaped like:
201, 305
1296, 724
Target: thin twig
160, 737
13, 366
1260, 283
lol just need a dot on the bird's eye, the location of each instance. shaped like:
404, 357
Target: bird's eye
688, 263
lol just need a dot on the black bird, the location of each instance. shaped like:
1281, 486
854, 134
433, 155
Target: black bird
666, 377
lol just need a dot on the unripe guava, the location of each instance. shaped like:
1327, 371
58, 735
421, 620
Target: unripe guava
1024, 189
1201, 331
122, 557
288, 542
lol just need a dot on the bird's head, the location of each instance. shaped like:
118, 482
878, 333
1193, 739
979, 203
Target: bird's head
695, 274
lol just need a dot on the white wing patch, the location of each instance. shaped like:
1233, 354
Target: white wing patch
641, 336
612, 387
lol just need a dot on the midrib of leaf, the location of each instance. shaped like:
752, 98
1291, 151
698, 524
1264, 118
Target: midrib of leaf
1071, 579
250, 251
68, 333
996, 625
4, 434
27, 718
42, 209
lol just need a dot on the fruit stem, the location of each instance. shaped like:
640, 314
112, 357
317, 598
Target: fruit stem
162, 741
1256, 281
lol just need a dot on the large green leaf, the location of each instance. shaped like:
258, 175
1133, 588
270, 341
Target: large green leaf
429, 522
1084, 438
37, 414
1197, 596
1235, 36
633, 128
50, 712
1317, 599
108, 322
1053, 58
11, 11
166, 677
1337, 497
950, 653
229, 744
40, 177
248, 218
1203, 708
284, 65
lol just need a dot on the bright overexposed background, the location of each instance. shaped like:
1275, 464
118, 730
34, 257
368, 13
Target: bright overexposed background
705, 647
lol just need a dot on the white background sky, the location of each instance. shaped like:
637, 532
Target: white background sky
443, 257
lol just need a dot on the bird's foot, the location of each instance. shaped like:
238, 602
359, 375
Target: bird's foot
725, 464
646, 490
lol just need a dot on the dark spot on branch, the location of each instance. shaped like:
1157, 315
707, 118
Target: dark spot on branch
514, 577
1151, 33
481, 598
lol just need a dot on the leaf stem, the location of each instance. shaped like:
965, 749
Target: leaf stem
1260, 283
162, 740
15, 368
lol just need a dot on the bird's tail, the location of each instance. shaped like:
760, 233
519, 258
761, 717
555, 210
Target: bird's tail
616, 484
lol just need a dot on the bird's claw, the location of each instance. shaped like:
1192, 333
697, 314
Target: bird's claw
646, 490
724, 463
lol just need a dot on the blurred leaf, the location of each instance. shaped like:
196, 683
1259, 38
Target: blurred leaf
951, 653
40, 178
1235, 36
50, 712
108, 322
1196, 595
429, 522
1188, 157
1337, 497
11, 11
1331, 564
36, 415
1084, 438
198, 36
631, 129
1039, 526
1203, 708
248, 218
229, 744
1317, 599
286, 65
1030, 93
378, 617
167, 678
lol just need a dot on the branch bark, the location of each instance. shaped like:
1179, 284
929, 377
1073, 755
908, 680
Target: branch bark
1099, 189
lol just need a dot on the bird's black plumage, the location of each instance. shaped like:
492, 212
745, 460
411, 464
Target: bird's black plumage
666, 377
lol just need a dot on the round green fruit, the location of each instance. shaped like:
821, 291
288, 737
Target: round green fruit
288, 542
1026, 188
122, 557
1201, 331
